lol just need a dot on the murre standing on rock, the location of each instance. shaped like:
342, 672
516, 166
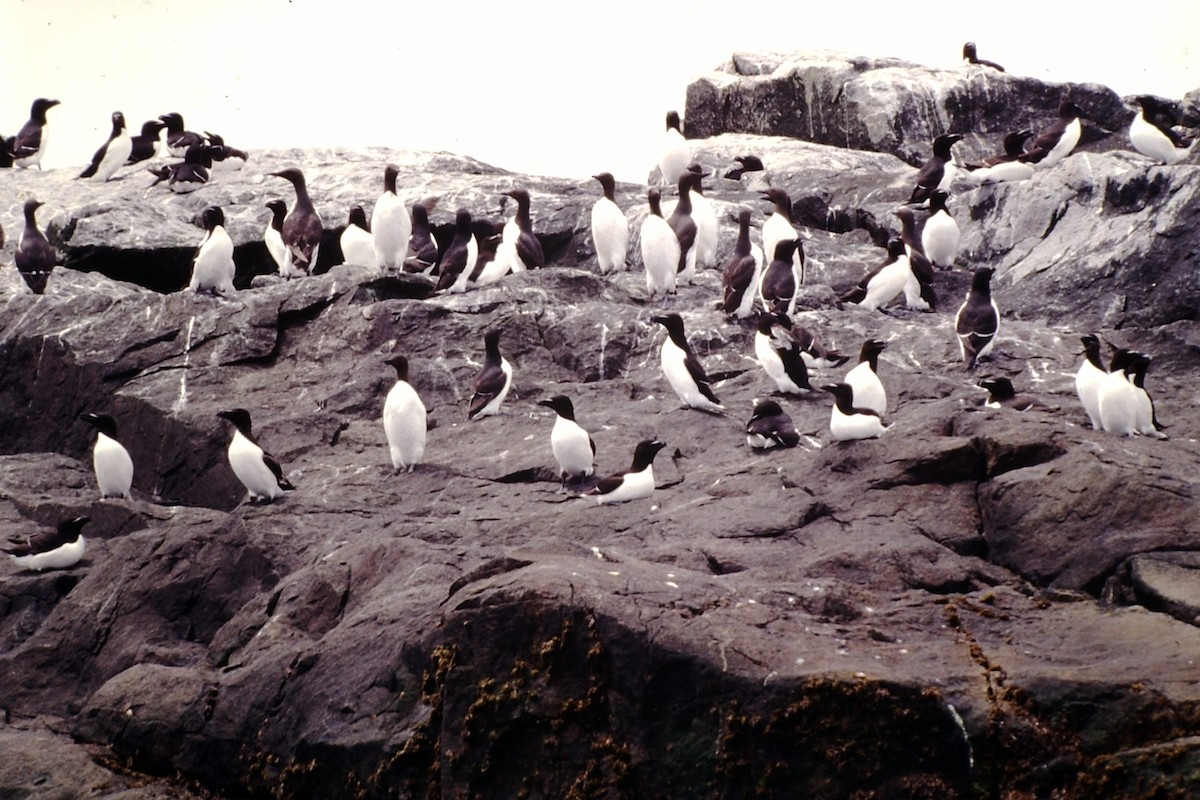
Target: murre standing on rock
1147, 420
779, 355
610, 229
422, 254
145, 145
29, 145
493, 380
273, 233
224, 157
529, 248
112, 154
572, 446
458, 262
404, 421
682, 369
1117, 397
1057, 141
179, 141
685, 228
978, 319
660, 252
705, 214
358, 245
1089, 378
110, 459
676, 155
213, 268
938, 171
740, 274
940, 237
391, 227
970, 56
61, 548
35, 257
779, 285
1151, 136
636, 483
302, 229
885, 282
257, 469
848, 420
770, 426
779, 227
863, 378
919, 295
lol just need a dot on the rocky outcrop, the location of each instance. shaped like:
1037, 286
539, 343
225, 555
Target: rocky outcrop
981, 603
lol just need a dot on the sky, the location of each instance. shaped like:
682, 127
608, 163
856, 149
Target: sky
551, 88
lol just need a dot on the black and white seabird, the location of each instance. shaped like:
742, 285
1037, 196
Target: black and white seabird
213, 268
921, 296
572, 446
938, 171
849, 420
1002, 394
747, 163
179, 141
391, 226
708, 232
29, 145
422, 254
35, 257
358, 245
257, 469
110, 459
188, 175
1147, 419
637, 483
779, 227
458, 261
815, 354
770, 426
778, 353
885, 282
1151, 136
529, 248
404, 419
940, 237
978, 319
676, 154
779, 284
273, 233
1118, 399
61, 548
1057, 141
740, 274
302, 230
864, 378
113, 154
610, 229
493, 380
660, 251
224, 157
685, 228
970, 56
145, 145
1089, 378
682, 369
1006, 166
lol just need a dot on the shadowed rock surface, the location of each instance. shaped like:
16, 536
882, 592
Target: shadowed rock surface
981, 603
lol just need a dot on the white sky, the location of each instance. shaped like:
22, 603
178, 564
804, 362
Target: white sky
550, 88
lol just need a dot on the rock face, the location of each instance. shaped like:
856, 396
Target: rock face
980, 603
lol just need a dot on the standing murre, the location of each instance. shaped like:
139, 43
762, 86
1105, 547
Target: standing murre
179, 141
529, 248
779, 227
779, 283
572, 445
660, 252
778, 353
35, 257
404, 419
273, 233
110, 459
1147, 420
685, 228
885, 282
257, 469
770, 426
937, 173
676, 155
113, 154
146, 145
978, 319
636, 483
940, 237
705, 215
358, 245
682, 369
29, 145
61, 548
302, 229
610, 229
458, 261
213, 268
922, 296
1118, 400
493, 380
1089, 378
740, 274
422, 253
391, 227
970, 55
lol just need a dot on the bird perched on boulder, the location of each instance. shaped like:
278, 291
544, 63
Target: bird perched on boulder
224, 157
1147, 420
358, 245
529, 248
747, 163
1118, 400
610, 229
778, 353
258, 470
863, 378
978, 319
849, 421
404, 419
770, 426
1058, 140
740, 274
779, 227
110, 460
493, 380
458, 262
937, 173
1002, 394
636, 483
572, 446
1089, 378
113, 154
922, 296
1006, 166
29, 145
970, 56
779, 285
885, 282
682, 369
35, 257
660, 251
940, 237
705, 215
213, 268
145, 145
676, 155
302, 229
61, 548
188, 175
422, 247
685, 228
179, 140
391, 227
273, 233
1151, 136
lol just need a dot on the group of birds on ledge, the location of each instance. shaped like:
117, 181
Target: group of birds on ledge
673, 246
